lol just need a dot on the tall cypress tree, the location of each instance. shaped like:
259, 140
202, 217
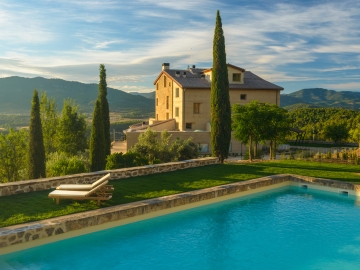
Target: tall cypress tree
104, 109
36, 161
220, 100
97, 146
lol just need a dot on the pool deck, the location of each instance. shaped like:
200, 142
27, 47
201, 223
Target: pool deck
23, 236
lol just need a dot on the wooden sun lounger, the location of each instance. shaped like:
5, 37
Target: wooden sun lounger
99, 193
86, 187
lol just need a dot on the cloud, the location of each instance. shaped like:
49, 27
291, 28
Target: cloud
280, 42
343, 86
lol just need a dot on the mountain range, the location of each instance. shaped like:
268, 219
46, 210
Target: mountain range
320, 97
16, 94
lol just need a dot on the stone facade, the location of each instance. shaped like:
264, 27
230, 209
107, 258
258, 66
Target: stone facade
12, 188
36, 230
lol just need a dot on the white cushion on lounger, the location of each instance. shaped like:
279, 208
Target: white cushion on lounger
84, 187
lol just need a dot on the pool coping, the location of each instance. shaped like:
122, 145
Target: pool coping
23, 236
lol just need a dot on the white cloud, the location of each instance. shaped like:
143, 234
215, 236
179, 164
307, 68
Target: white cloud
343, 86
268, 42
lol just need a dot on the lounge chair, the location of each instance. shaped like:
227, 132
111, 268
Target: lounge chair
98, 193
86, 187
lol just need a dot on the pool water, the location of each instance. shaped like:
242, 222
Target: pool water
286, 228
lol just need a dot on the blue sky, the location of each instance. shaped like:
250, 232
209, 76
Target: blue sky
295, 44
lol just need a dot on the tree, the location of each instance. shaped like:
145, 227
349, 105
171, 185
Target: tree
36, 157
275, 126
97, 147
71, 134
220, 100
104, 109
246, 123
50, 121
13, 151
257, 122
336, 132
355, 135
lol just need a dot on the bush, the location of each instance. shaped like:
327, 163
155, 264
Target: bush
120, 160
184, 150
63, 164
159, 150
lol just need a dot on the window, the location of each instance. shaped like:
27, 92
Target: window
176, 111
176, 92
188, 125
157, 117
167, 116
157, 86
169, 83
164, 81
243, 96
157, 101
167, 102
236, 77
196, 108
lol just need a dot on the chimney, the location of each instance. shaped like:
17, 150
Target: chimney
193, 66
184, 74
177, 73
165, 66
202, 76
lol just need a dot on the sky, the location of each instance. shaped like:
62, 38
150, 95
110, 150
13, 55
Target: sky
295, 44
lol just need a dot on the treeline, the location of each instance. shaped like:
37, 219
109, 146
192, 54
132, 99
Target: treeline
64, 140
57, 144
14, 120
326, 124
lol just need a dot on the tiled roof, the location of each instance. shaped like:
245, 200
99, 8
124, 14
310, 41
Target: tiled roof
193, 79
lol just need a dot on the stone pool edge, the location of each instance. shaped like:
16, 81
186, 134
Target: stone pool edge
22, 236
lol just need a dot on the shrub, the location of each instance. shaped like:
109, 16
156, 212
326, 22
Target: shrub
63, 164
158, 150
120, 160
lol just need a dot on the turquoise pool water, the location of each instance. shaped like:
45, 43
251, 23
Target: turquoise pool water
287, 228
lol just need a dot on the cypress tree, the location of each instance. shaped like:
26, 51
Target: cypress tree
104, 109
220, 100
36, 161
97, 146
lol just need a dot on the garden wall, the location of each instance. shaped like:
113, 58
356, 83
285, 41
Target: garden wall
12, 188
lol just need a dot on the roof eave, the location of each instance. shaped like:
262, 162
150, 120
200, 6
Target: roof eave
164, 71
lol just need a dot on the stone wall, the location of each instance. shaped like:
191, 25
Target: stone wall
12, 188
46, 228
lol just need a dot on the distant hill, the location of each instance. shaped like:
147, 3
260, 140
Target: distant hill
150, 95
16, 93
319, 97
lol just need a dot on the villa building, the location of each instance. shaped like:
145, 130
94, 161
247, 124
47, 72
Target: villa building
182, 102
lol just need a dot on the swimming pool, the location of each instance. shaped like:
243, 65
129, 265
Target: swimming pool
285, 228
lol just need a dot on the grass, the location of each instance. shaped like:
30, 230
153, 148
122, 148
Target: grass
34, 206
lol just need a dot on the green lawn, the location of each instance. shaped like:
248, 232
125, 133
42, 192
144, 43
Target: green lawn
36, 205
